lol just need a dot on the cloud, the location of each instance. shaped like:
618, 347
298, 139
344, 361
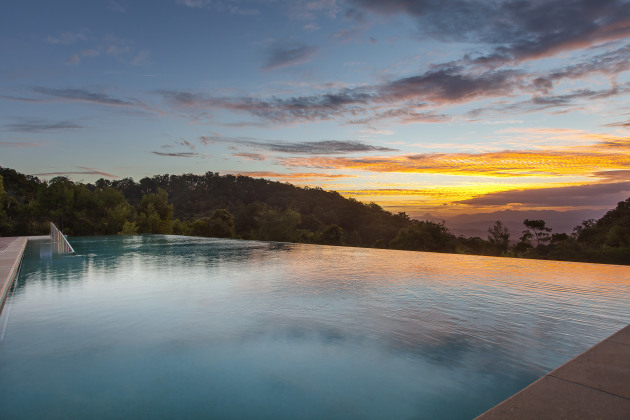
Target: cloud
141, 58
73, 60
186, 143
85, 171
546, 102
513, 30
311, 9
279, 57
621, 176
17, 144
250, 156
451, 85
177, 154
324, 147
36, 125
593, 195
116, 7
220, 6
491, 164
82, 95
68, 38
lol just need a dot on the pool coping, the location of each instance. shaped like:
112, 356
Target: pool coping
10, 259
593, 385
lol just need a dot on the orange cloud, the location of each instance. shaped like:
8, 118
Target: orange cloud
491, 164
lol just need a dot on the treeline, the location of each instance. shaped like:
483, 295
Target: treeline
229, 206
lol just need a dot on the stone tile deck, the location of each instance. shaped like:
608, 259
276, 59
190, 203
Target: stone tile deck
593, 385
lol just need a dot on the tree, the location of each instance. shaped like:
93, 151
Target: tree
538, 230
154, 213
499, 236
3, 202
331, 235
275, 225
222, 224
424, 236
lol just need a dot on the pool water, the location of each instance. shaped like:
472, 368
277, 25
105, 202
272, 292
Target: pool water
179, 327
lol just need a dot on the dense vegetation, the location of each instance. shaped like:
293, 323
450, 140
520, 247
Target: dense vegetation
229, 206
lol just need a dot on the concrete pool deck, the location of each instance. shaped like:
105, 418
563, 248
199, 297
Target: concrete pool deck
593, 385
11, 251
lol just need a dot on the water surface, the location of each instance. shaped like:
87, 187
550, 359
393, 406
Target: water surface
180, 327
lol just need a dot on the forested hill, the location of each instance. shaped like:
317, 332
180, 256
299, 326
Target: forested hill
251, 208
231, 206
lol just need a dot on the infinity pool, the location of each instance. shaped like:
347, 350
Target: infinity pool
178, 327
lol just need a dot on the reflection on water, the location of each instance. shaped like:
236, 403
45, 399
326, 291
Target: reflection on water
163, 327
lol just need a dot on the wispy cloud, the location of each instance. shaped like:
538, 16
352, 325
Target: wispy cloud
177, 154
85, 171
117, 7
250, 156
280, 56
36, 125
18, 144
324, 147
227, 6
68, 38
82, 95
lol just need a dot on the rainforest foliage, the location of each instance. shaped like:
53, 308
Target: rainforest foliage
228, 206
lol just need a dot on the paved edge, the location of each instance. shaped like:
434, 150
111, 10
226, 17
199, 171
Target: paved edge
10, 259
593, 385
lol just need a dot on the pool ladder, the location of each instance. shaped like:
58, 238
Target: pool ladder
63, 246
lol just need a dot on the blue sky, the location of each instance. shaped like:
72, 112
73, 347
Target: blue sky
421, 106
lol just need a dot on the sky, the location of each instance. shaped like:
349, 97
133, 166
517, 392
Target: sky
428, 106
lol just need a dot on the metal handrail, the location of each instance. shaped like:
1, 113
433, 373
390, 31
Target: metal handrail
63, 246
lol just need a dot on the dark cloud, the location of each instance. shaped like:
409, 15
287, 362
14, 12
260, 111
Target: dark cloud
404, 115
608, 63
325, 147
85, 171
544, 102
35, 125
301, 108
177, 154
281, 56
625, 124
451, 85
83, 95
619, 175
513, 29
597, 195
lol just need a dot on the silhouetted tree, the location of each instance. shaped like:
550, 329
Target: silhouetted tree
499, 236
537, 229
